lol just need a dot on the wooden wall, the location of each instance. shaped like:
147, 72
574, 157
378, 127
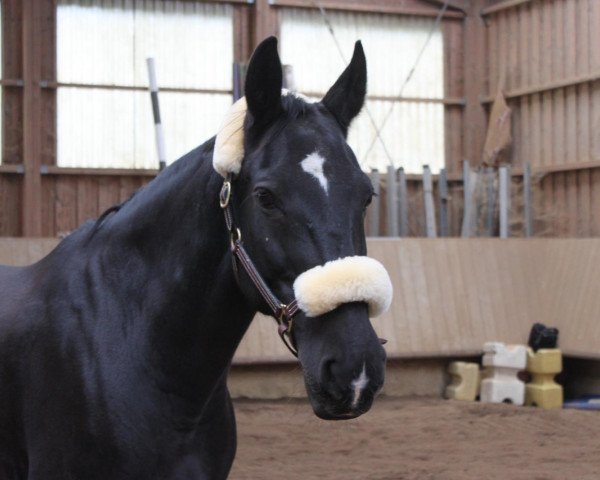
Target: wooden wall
37, 198
452, 295
544, 50
544, 56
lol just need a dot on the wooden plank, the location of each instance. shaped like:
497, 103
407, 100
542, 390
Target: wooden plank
266, 21
513, 73
493, 56
571, 92
12, 66
547, 143
396, 7
558, 97
66, 205
544, 87
501, 6
535, 101
109, 190
47, 32
583, 119
454, 87
503, 47
242, 33
10, 205
595, 201
87, 199
49, 207
594, 126
474, 53
525, 78
594, 39
32, 187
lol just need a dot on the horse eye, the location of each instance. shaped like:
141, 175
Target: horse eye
370, 199
265, 198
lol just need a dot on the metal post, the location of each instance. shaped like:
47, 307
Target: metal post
467, 191
491, 202
443, 193
504, 188
158, 131
392, 203
527, 200
373, 223
403, 200
429, 207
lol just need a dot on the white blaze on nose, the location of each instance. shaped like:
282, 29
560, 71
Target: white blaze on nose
358, 385
313, 165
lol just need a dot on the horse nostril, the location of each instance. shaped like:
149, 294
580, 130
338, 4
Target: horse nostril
327, 369
383, 341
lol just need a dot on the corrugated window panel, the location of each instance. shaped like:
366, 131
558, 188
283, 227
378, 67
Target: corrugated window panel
414, 134
116, 130
107, 42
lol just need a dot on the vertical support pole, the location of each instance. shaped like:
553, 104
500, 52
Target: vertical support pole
443, 194
392, 203
490, 203
237, 82
504, 188
403, 201
32, 152
158, 130
428, 200
527, 200
468, 203
373, 224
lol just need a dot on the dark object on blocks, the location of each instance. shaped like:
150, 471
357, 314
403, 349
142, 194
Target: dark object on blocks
542, 337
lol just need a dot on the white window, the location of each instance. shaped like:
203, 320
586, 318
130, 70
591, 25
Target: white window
414, 132
104, 115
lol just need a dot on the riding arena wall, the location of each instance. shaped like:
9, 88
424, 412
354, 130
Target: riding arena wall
450, 297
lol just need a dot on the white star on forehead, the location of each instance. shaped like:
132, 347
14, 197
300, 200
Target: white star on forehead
313, 165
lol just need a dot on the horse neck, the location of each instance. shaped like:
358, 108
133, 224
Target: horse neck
174, 265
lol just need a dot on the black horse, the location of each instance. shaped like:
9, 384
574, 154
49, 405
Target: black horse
115, 348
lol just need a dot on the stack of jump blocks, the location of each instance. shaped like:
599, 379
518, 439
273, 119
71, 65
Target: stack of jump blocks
499, 382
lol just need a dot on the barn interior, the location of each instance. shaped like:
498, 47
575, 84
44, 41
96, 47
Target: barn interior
480, 134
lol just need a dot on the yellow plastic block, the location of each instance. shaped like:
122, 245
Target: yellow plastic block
543, 391
465, 381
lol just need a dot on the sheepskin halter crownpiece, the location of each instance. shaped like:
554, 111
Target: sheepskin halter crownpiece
229, 144
325, 287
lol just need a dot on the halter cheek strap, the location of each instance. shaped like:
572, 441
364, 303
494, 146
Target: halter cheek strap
283, 313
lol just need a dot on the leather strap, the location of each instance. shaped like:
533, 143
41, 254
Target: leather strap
283, 313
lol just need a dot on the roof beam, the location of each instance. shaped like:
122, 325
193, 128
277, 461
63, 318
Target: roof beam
462, 5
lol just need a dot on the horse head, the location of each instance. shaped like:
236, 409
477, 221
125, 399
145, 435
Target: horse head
299, 203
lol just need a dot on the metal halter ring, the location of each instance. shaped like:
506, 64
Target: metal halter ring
235, 236
225, 194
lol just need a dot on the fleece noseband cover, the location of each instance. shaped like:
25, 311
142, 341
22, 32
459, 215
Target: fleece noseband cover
325, 287
352, 279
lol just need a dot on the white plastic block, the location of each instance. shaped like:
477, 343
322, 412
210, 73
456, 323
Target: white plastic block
503, 363
497, 354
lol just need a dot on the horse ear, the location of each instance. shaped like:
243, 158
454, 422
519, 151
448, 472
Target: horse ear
263, 83
347, 96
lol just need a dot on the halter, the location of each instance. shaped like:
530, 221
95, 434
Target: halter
283, 313
316, 291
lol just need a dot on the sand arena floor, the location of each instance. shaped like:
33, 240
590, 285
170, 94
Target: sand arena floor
416, 439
